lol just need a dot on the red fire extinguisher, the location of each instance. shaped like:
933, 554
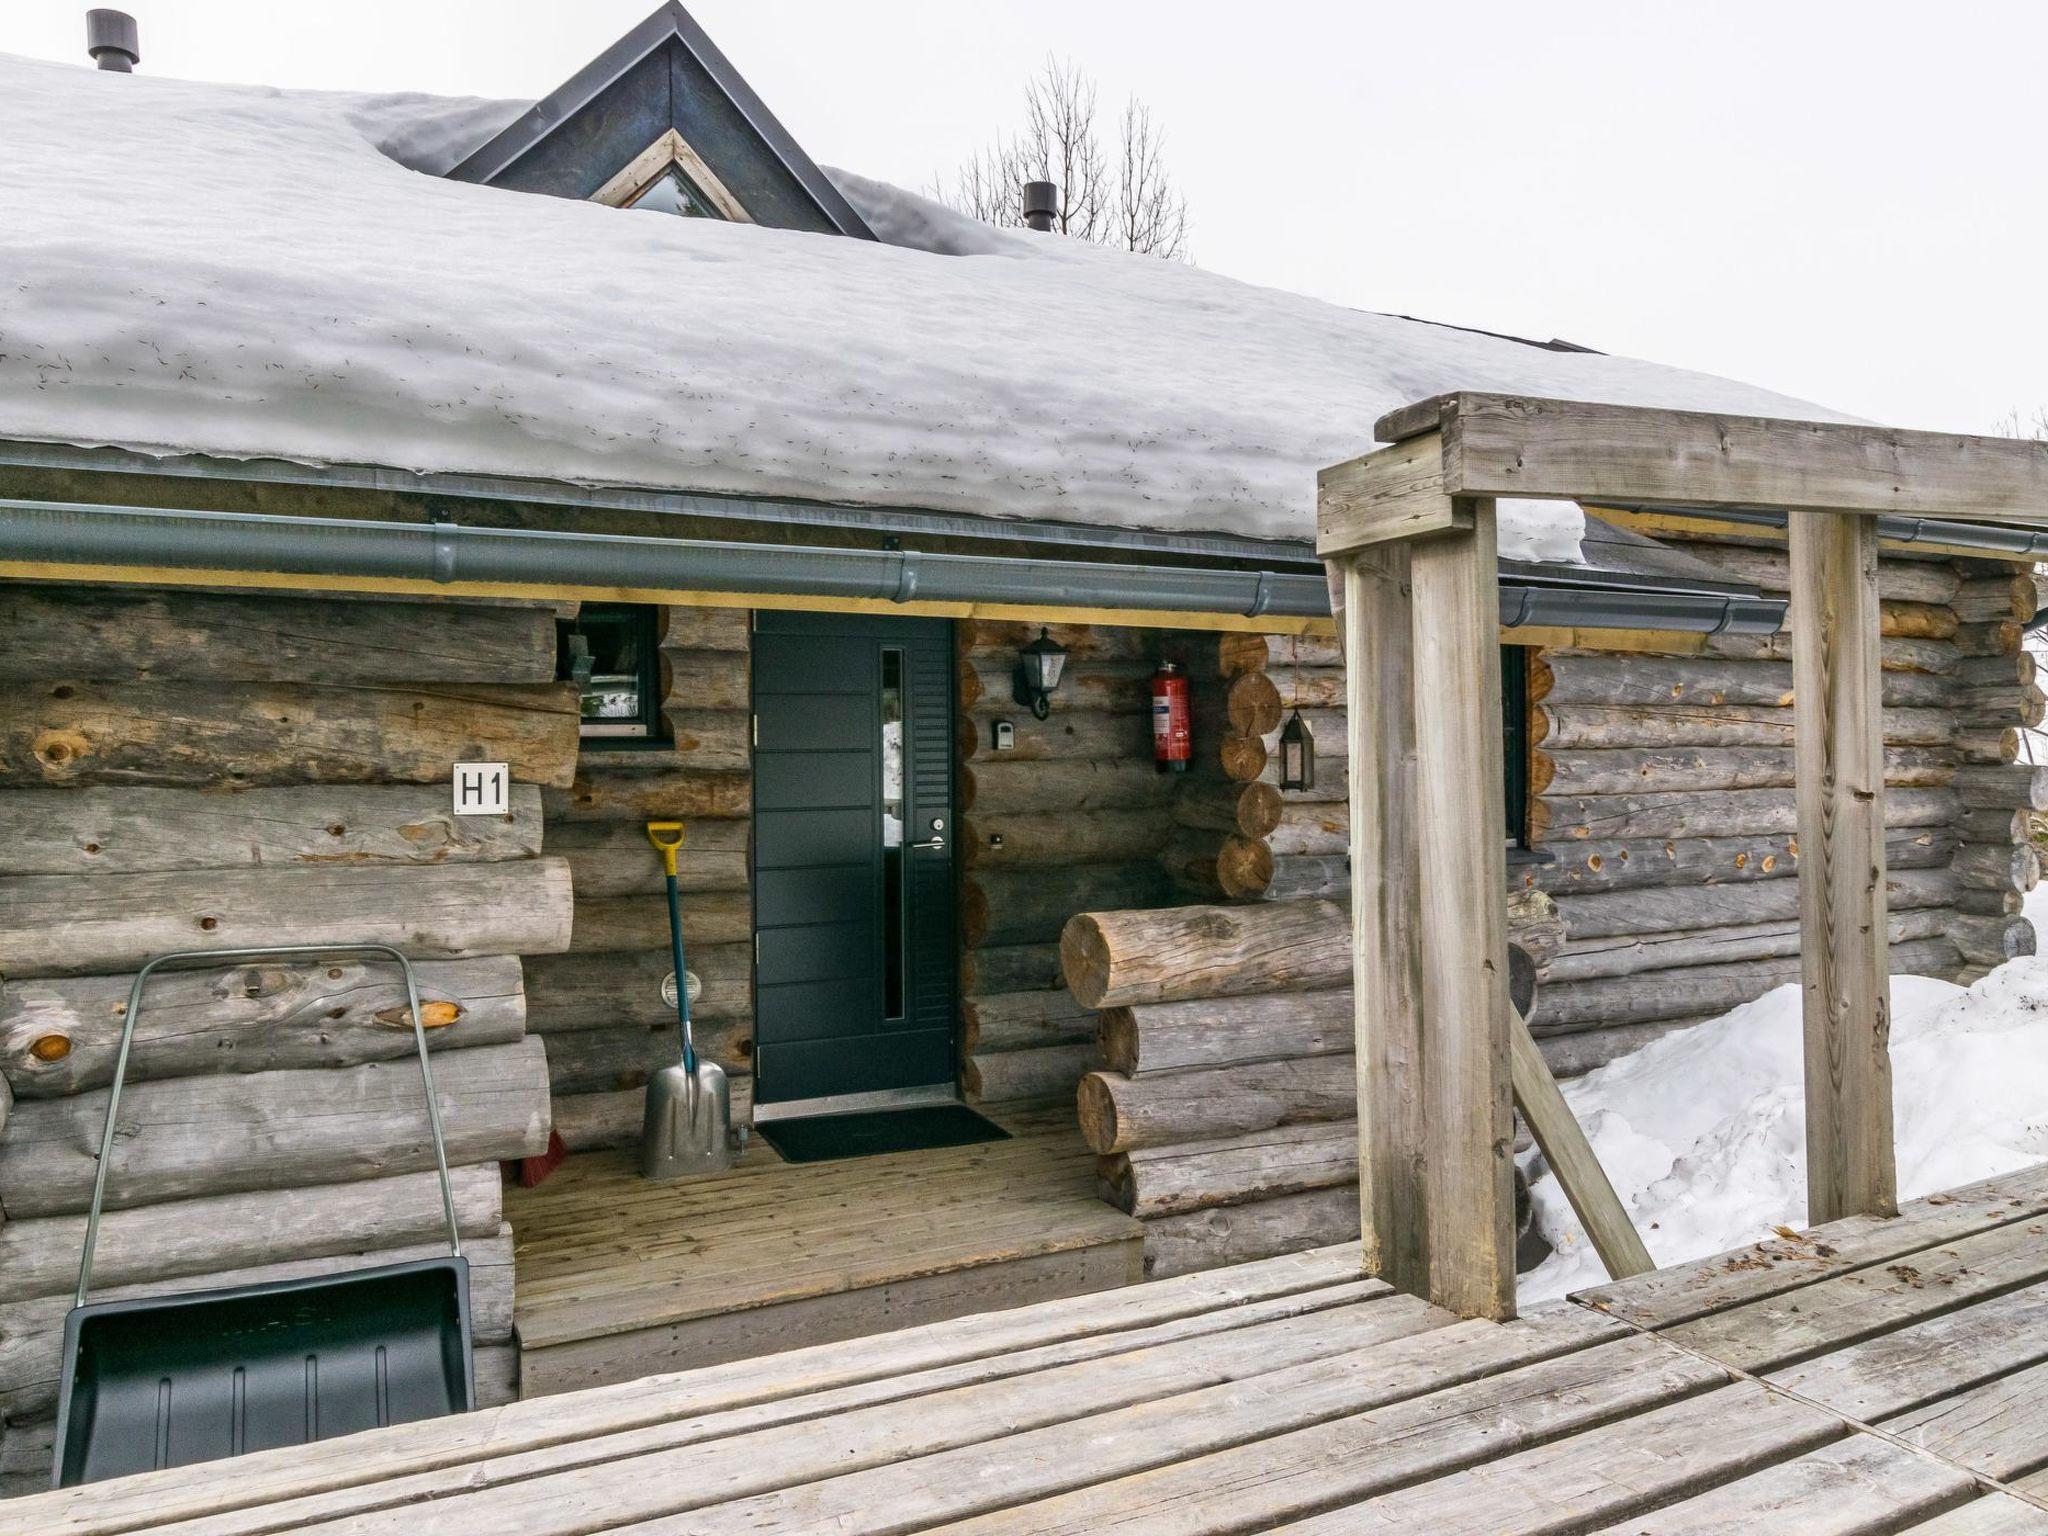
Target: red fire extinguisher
1171, 745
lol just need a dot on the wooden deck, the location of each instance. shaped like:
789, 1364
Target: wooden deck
1873, 1376
618, 1278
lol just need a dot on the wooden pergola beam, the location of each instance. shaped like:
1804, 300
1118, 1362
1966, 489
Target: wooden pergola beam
1507, 445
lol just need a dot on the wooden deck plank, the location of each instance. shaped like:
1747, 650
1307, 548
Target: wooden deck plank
1925, 1362
1843, 1310
627, 1490
1854, 1487
1997, 1428
1602, 1475
917, 1360
1258, 1481
1993, 1515
1683, 1292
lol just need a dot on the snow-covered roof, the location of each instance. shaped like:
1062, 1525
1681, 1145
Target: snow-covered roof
245, 272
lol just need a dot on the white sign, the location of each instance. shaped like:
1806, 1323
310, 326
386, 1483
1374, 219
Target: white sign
482, 789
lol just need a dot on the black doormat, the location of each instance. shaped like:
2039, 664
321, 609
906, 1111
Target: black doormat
821, 1138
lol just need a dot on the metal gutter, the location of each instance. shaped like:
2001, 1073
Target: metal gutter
1994, 538
74, 533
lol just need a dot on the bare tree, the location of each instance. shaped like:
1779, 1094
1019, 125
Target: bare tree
1124, 198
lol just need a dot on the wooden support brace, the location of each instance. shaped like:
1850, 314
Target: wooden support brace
1838, 736
1396, 493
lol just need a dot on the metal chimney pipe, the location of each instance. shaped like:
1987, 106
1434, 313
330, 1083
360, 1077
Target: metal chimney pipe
1041, 204
112, 40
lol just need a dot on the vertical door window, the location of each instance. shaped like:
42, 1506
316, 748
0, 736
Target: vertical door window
894, 815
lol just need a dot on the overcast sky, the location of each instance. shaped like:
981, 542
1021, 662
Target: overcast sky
1841, 201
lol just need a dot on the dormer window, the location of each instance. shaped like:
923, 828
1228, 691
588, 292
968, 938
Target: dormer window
671, 192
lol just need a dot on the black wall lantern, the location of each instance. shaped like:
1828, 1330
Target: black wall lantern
1297, 754
1039, 665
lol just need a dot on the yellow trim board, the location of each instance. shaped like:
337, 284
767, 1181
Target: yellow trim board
399, 586
1680, 527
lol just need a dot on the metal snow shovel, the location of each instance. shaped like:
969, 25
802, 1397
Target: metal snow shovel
166, 1381
689, 1105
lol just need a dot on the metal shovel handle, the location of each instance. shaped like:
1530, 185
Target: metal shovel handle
419, 1033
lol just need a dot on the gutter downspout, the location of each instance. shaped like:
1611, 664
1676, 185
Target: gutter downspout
74, 533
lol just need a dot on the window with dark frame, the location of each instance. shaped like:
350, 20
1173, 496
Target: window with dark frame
1514, 710
612, 652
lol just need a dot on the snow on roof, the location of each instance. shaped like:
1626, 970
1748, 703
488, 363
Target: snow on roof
245, 272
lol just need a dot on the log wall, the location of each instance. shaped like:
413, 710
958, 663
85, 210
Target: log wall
186, 769
598, 1005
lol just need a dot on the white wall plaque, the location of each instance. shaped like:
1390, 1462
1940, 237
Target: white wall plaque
482, 789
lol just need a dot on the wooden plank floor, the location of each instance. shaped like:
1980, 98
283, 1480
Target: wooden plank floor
1868, 1377
618, 1278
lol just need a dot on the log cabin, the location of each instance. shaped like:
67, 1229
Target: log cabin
347, 439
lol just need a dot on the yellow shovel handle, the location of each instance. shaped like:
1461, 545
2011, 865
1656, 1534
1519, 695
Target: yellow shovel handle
667, 837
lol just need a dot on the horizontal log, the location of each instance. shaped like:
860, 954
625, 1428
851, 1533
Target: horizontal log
1008, 1077
1697, 990
1635, 954
1119, 1113
1213, 805
2007, 596
1578, 727
1988, 745
1194, 860
1613, 865
1996, 671
136, 830
1084, 734
993, 840
602, 792
1030, 906
1303, 877
610, 923
706, 680
688, 627
58, 925
986, 685
2019, 786
1999, 637
192, 1136
1674, 769
1239, 653
1244, 1234
597, 1122
1309, 688
1000, 640
1916, 581
708, 740
118, 634
605, 989
614, 858
212, 1233
59, 1035
1169, 1181
1000, 788
1709, 813
625, 1056
32, 1332
1991, 941
1896, 653
1992, 825
1591, 677
1221, 1031
1010, 968
1988, 901
1670, 909
1998, 865
206, 735
1112, 958
1021, 1021
1312, 829
1587, 1050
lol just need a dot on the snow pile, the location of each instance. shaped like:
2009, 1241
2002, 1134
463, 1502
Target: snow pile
248, 272
1704, 1134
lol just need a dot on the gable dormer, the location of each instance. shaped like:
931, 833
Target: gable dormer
662, 120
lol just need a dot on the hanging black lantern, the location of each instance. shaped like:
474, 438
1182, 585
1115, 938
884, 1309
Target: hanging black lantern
1039, 665
1297, 754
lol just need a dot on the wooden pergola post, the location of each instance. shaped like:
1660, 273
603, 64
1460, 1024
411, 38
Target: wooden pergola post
1409, 530
1838, 738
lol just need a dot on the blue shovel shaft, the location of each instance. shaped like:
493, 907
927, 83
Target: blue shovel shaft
675, 939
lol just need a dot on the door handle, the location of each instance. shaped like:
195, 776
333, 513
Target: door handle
935, 842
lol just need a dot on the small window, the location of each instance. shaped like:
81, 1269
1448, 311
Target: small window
612, 652
1514, 709
671, 192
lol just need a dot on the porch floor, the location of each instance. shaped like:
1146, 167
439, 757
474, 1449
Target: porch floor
617, 1277
1871, 1376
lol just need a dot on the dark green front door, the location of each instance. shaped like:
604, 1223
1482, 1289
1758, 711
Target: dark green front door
854, 834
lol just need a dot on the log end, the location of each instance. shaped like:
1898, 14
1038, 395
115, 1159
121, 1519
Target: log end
1085, 959
1095, 1106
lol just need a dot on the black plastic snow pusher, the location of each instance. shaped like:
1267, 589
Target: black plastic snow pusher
165, 1381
